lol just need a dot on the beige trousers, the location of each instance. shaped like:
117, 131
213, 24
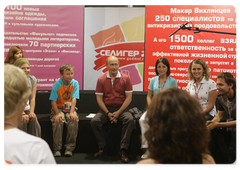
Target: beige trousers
72, 131
33, 127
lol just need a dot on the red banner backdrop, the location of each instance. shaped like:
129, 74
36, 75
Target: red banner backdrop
216, 49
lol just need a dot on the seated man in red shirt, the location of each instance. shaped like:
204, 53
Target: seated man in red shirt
114, 94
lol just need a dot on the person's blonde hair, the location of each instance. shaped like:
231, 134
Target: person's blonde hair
65, 67
16, 90
206, 72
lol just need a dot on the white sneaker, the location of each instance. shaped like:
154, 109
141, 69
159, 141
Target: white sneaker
68, 153
57, 154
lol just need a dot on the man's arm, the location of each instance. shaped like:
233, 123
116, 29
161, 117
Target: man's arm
218, 117
215, 122
227, 124
101, 103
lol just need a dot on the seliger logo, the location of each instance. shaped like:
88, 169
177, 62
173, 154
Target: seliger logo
125, 41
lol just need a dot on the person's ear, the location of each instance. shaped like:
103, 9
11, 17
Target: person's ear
22, 106
24, 102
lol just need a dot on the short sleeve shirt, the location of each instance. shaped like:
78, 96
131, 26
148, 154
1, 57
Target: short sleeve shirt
31, 80
64, 93
203, 92
228, 107
154, 84
114, 91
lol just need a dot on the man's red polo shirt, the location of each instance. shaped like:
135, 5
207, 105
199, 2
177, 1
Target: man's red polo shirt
114, 91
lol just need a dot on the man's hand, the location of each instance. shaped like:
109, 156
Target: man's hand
58, 118
73, 117
112, 118
211, 125
115, 114
32, 116
25, 118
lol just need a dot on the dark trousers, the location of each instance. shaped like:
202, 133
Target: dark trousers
127, 126
223, 145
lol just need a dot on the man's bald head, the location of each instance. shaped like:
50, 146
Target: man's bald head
111, 57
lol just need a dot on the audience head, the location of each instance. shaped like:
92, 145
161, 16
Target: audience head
15, 52
165, 62
194, 66
16, 91
23, 63
227, 78
177, 131
65, 67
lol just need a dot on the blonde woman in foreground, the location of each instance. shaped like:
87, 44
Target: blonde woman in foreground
177, 132
20, 147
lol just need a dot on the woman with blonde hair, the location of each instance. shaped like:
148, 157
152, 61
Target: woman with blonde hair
177, 133
20, 147
202, 87
14, 53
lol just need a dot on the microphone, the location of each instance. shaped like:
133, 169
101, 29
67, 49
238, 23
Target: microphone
181, 26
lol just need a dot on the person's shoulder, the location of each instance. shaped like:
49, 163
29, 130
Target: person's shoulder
172, 79
208, 159
211, 81
59, 80
23, 136
103, 76
74, 81
124, 75
147, 161
55, 88
32, 76
154, 78
58, 83
190, 82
